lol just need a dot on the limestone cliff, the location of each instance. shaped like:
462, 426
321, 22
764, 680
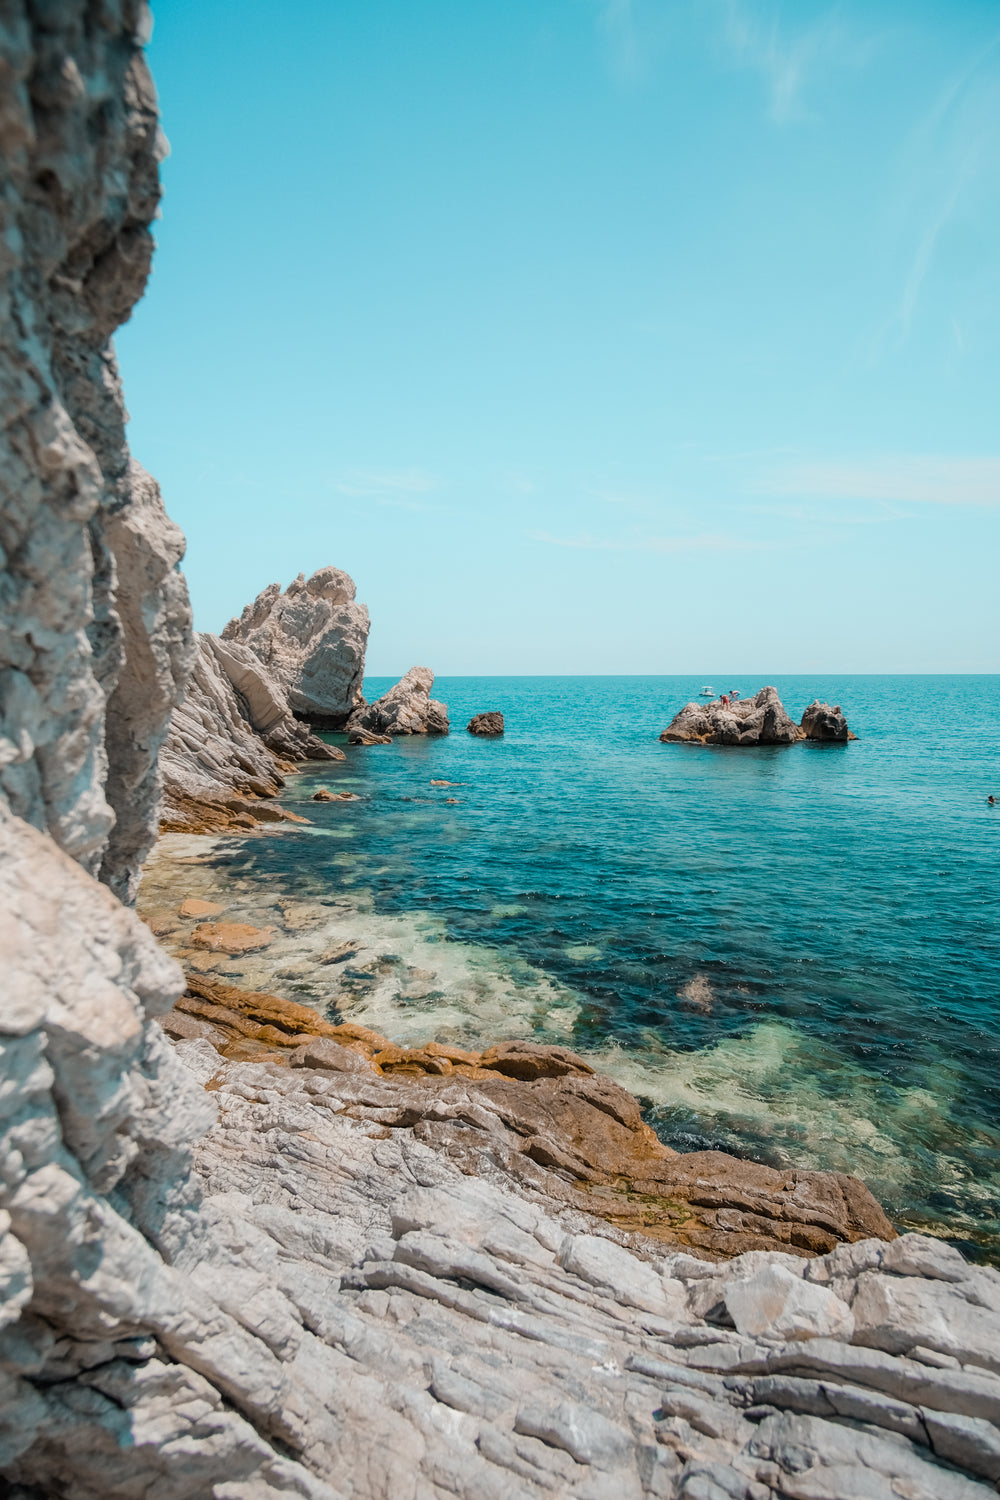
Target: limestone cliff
312, 640
231, 740
79, 727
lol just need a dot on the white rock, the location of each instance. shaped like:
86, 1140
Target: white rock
775, 1302
407, 708
312, 640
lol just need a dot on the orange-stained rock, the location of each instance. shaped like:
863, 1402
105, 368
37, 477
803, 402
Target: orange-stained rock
533, 1060
230, 937
543, 1116
332, 1057
410, 1060
192, 907
453, 1054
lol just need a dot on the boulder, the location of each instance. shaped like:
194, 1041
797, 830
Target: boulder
760, 720
312, 640
406, 708
486, 724
821, 722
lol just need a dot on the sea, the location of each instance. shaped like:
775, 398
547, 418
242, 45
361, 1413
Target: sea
789, 953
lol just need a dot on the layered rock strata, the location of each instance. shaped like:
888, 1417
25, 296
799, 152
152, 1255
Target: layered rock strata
86, 547
760, 720
241, 1280
312, 640
407, 708
487, 724
232, 740
542, 1118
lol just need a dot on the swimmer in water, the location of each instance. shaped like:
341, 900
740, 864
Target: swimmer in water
991, 801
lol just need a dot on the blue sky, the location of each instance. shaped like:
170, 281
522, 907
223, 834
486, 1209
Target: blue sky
587, 335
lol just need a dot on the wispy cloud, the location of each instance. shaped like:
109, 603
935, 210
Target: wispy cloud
617, 21
950, 164
787, 57
915, 479
398, 488
706, 543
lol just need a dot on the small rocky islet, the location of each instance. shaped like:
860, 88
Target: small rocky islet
759, 720
251, 1253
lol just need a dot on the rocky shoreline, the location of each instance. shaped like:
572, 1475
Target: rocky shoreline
246, 1252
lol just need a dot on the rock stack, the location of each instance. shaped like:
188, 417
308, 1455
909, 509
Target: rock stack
406, 708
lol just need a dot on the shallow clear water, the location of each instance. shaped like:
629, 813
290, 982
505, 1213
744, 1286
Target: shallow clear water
788, 952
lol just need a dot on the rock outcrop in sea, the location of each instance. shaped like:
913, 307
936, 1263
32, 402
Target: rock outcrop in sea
254, 1274
312, 640
760, 720
231, 738
821, 722
487, 724
407, 708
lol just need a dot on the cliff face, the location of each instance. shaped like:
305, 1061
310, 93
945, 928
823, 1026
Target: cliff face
312, 641
79, 727
230, 742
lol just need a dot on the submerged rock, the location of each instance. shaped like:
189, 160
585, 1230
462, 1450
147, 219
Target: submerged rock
486, 724
760, 720
821, 722
407, 708
312, 640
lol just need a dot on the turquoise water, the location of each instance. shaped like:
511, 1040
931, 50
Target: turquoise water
788, 952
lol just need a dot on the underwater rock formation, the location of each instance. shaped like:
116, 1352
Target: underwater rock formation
407, 708
312, 640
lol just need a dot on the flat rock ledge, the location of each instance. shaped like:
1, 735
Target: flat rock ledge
455, 1319
541, 1117
760, 720
487, 724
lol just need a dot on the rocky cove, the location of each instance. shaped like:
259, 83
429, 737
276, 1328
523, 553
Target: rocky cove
251, 1249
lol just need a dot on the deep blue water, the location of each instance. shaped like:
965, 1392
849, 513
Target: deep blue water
789, 952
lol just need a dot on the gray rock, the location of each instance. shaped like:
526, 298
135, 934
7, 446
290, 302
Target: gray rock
584, 1434
774, 1301
821, 722
311, 639
760, 720
406, 708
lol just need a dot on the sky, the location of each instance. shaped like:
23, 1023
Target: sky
588, 336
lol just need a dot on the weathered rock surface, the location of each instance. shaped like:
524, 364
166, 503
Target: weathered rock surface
821, 722
225, 1278
486, 724
312, 640
232, 740
93, 619
406, 708
760, 720
541, 1116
